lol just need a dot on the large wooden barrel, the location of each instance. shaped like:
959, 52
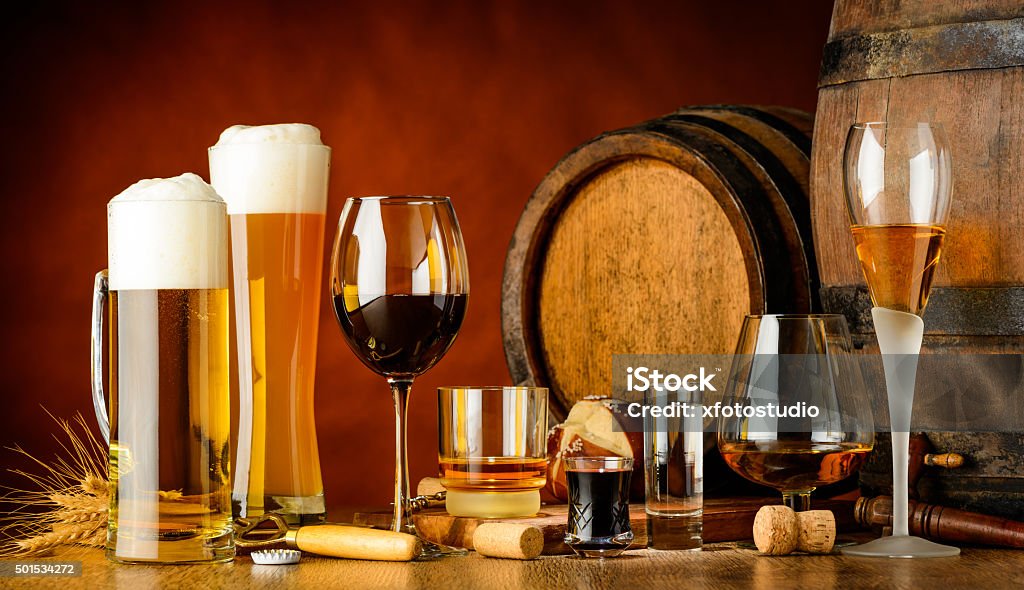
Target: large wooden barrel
960, 64
659, 238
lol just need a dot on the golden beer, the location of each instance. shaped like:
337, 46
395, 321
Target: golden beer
169, 409
274, 179
276, 264
170, 423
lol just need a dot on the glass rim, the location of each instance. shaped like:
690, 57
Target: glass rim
603, 463
112, 203
883, 125
213, 148
405, 199
495, 388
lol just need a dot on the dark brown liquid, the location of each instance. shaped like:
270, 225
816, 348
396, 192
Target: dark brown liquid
400, 335
598, 506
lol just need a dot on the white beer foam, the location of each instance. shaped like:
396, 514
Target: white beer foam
282, 133
167, 233
271, 169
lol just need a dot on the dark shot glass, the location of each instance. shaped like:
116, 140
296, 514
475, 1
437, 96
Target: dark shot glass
598, 505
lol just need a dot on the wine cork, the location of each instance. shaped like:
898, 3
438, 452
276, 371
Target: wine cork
775, 530
778, 530
508, 540
816, 531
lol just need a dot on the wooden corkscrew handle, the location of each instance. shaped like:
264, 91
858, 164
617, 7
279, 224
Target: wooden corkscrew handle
942, 523
354, 542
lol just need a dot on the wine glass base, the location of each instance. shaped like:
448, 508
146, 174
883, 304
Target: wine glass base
433, 551
903, 546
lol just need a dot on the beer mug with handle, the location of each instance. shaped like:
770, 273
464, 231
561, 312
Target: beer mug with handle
169, 422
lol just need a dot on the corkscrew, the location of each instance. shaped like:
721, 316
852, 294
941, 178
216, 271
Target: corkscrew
253, 534
334, 540
422, 501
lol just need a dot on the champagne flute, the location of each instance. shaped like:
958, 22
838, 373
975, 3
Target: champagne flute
897, 180
795, 362
400, 286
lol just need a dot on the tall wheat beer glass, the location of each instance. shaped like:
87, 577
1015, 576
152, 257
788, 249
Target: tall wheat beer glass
274, 179
170, 415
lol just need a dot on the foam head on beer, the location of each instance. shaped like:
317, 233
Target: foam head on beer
271, 169
297, 133
167, 233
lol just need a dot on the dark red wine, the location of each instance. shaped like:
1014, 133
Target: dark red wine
598, 510
400, 335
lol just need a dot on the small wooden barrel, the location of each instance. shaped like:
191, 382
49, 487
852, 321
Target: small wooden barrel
960, 64
956, 63
659, 239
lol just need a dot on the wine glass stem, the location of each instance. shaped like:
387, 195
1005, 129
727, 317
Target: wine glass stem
900, 483
402, 518
799, 501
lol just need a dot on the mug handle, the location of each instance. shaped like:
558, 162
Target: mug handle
100, 290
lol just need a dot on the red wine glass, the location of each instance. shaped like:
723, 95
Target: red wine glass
400, 287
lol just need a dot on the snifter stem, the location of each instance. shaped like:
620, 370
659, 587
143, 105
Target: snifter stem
402, 517
799, 501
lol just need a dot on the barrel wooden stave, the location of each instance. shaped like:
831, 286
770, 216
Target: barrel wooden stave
979, 281
853, 17
979, 222
962, 64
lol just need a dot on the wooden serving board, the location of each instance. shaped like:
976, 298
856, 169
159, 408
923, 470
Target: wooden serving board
725, 519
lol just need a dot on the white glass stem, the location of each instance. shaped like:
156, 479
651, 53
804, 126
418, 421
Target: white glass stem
900, 489
899, 340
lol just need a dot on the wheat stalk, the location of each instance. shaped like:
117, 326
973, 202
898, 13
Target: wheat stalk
67, 501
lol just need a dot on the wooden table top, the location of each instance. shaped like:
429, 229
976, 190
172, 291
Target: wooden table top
723, 565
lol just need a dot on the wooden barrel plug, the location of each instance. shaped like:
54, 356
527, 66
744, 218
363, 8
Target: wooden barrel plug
945, 460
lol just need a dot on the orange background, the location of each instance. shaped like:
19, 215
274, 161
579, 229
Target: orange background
473, 99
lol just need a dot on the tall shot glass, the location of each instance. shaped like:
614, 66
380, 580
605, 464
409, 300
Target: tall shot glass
674, 473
